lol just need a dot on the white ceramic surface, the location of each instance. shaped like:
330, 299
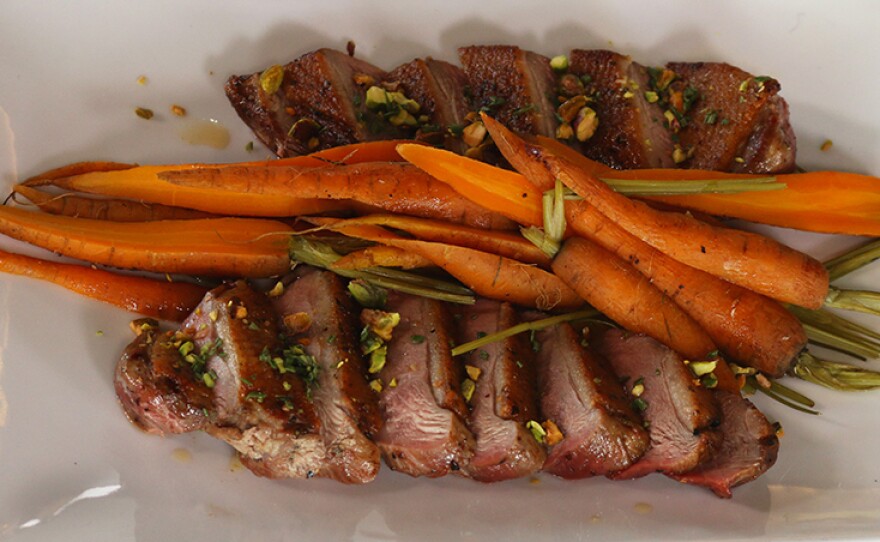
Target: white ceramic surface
71, 466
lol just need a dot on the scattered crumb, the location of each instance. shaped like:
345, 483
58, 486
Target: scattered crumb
643, 508
826, 145
235, 463
595, 518
182, 454
142, 80
144, 113
249, 147
534, 480
99, 333
178, 111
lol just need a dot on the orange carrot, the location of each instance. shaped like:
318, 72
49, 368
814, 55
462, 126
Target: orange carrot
507, 244
77, 168
149, 297
395, 187
748, 327
143, 184
508, 192
356, 153
617, 290
489, 275
381, 256
113, 210
748, 259
216, 246
820, 201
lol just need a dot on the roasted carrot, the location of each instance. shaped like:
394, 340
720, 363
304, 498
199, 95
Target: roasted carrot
616, 289
489, 275
748, 259
143, 184
234, 247
508, 192
381, 256
77, 168
356, 153
748, 327
113, 210
149, 297
395, 187
503, 243
820, 201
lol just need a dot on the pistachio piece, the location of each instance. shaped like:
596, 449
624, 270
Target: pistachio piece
571, 85
411, 106
474, 134
564, 131
376, 97
559, 63
403, 118
586, 124
570, 108
679, 155
271, 79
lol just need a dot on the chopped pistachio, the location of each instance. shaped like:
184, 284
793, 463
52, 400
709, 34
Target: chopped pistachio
411, 106
651, 97
467, 389
144, 113
570, 108
473, 372
364, 79
403, 118
376, 385
744, 85
276, 290
208, 379
826, 145
554, 435
271, 79
709, 381
393, 383
640, 404
559, 63
286, 385
586, 124
537, 431
638, 389
564, 131
376, 97
739, 160
249, 146
474, 134
679, 155
628, 94
377, 359
380, 323
700, 368
417, 339
297, 322
142, 80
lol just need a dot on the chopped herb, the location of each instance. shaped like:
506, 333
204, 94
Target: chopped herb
246, 381
481, 334
456, 129
253, 326
519, 364
536, 344
711, 116
640, 404
417, 339
525, 109
762, 79
689, 96
483, 355
725, 122
257, 396
331, 338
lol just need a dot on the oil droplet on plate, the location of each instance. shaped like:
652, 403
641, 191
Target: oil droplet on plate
643, 508
595, 518
210, 133
181, 454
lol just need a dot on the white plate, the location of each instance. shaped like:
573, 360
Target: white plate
72, 467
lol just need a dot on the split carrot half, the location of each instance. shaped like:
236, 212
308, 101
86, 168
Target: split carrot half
489, 275
77, 168
228, 247
503, 243
149, 297
113, 210
506, 192
616, 289
395, 187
